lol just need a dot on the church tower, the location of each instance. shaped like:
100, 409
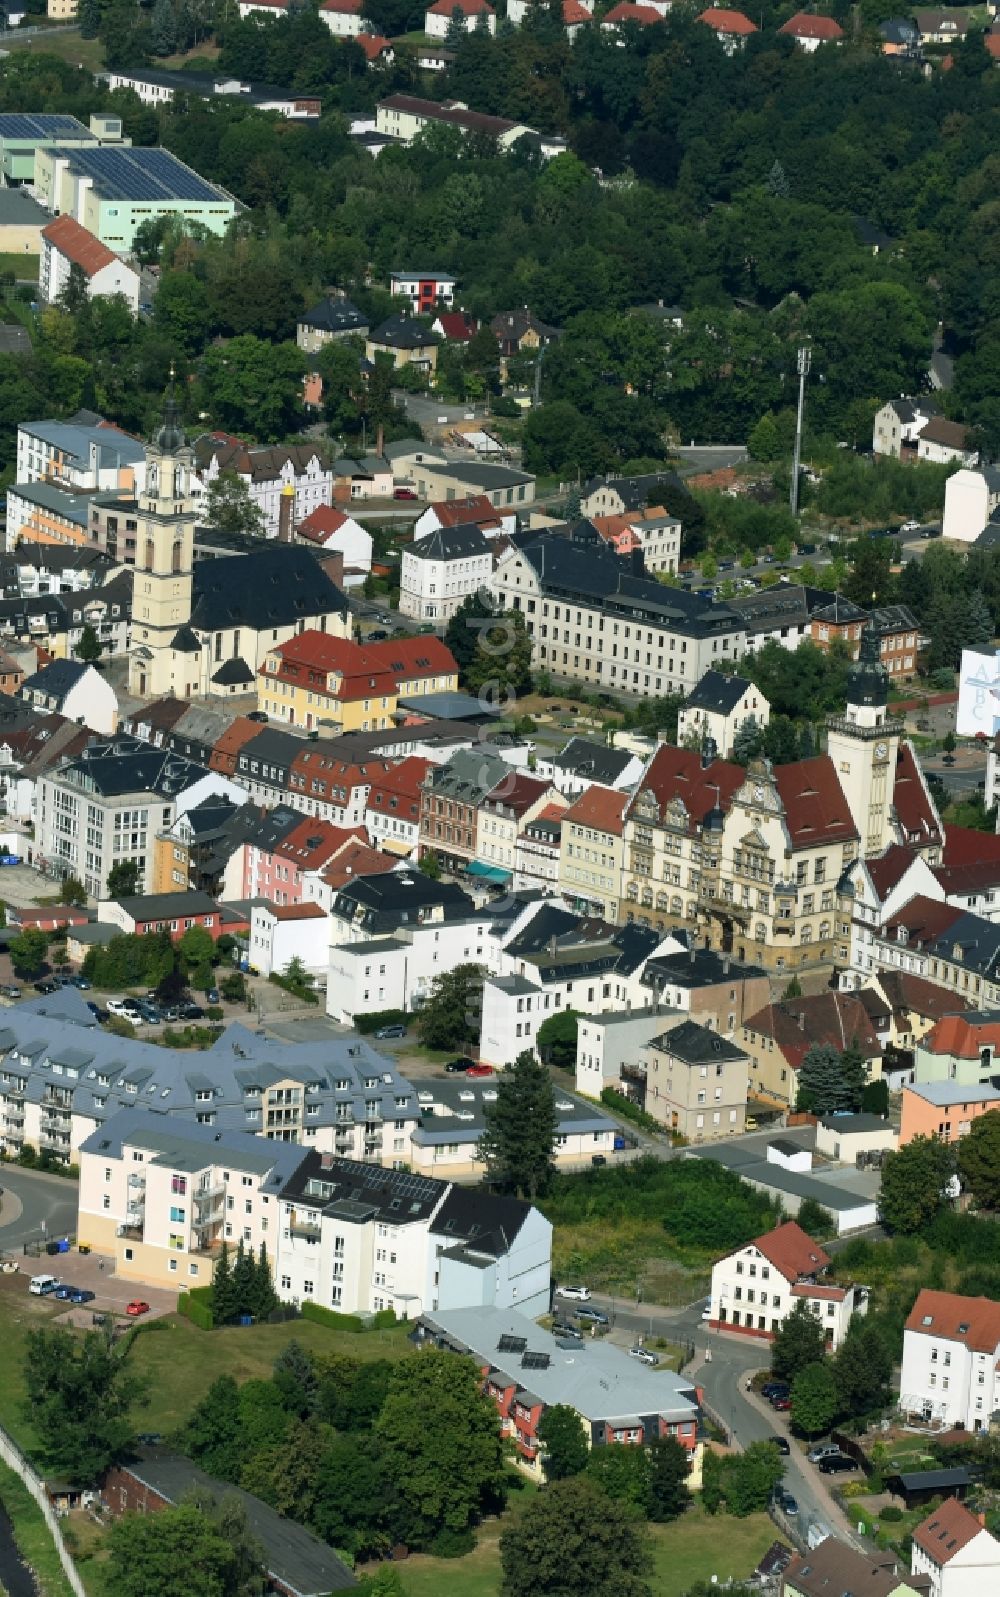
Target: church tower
863, 744
166, 656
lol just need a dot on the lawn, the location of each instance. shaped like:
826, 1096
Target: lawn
66, 44
180, 1360
695, 1548
24, 267
32, 1535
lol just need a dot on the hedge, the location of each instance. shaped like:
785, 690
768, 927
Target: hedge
337, 1322
196, 1306
379, 1018
617, 1101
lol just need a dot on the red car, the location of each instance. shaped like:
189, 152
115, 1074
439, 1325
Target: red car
783, 1404
403, 493
479, 1070
136, 1307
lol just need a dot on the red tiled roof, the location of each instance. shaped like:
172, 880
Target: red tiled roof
945, 1313
312, 842
373, 44
357, 860
407, 658
351, 7
826, 1294
805, 26
992, 43
903, 990
965, 846
468, 8
402, 783
319, 765
911, 800
78, 245
678, 773
962, 1036
721, 21
223, 756
321, 523
517, 792
888, 870
922, 919
829, 1018
947, 1529
456, 512
967, 878
600, 808
625, 11
296, 911
816, 810
320, 653
459, 326
574, 13
792, 1251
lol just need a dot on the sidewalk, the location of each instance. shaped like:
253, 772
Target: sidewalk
830, 1509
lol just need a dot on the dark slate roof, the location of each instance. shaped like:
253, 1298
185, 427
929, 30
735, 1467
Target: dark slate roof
485, 1221
272, 587
394, 1195
56, 678
297, 1561
700, 967
697, 1044
127, 765
450, 543
584, 757
635, 492
400, 332
233, 673
185, 641
167, 906
972, 943
718, 693
399, 897
334, 315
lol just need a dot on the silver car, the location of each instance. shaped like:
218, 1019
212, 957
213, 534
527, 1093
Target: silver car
643, 1355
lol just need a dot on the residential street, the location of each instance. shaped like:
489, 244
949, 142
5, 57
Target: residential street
31, 1200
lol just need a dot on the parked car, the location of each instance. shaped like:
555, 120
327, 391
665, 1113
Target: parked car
822, 1450
212, 995
836, 1464
643, 1355
788, 1503
706, 1309
775, 1388
562, 1328
479, 1070
80, 983
64, 1292
45, 987
136, 1307
378, 635
150, 1013
122, 1006
41, 1285
403, 493
385, 1032
256, 715
10, 991
591, 1315
82, 1294
9, 1267
781, 1443
910, 526
782, 1402
578, 1294
190, 1012
458, 1066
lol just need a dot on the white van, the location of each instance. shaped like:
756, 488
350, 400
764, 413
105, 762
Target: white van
39, 1284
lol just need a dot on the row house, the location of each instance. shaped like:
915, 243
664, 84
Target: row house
514, 803
951, 1361
756, 1287
172, 912
280, 855
654, 533
392, 812
316, 681
537, 850
62, 1078
450, 797
591, 852
584, 763
592, 619
291, 474
527, 1370
947, 1110
778, 1036
276, 767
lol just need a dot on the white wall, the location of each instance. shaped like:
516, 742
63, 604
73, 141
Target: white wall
274, 942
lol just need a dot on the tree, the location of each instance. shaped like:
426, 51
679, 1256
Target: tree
80, 1392
447, 1018
622, 1472
230, 509
668, 1472
793, 989
750, 1478
295, 974
224, 1296
233, 987
89, 647
564, 1446
914, 1180
294, 1374
255, 386
430, 865
197, 946
556, 1039
747, 742
491, 647
815, 1400
123, 879
764, 442
262, 1299
979, 1160
212, 1435
519, 1134
830, 1080
88, 16
72, 891
798, 1343
573, 1538
27, 951
875, 1098
440, 1444
814, 1219
350, 1494
184, 1552
862, 1369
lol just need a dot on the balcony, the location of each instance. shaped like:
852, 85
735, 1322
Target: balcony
209, 1195
305, 1226
55, 1129
131, 1233
138, 1182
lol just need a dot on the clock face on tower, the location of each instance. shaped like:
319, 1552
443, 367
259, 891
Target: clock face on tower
881, 750
758, 794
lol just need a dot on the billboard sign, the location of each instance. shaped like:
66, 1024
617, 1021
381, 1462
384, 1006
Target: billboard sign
978, 694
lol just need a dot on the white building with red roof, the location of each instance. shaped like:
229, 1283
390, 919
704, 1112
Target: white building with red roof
330, 529
810, 31
471, 510
342, 17
574, 14
472, 15
65, 245
280, 933
951, 1361
627, 13
266, 8
731, 28
392, 813
953, 1549
755, 1288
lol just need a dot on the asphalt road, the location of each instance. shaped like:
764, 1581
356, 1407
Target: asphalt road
33, 1201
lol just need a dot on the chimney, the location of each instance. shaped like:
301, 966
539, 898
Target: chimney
725, 966
380, 439
694, 955
801, 1017
286, 504
326, 1161
552, 948
982, 1520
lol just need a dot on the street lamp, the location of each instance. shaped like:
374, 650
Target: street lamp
803, 361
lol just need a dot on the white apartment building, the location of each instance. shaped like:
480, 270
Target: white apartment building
718, 709
755, 1287
342, 17
160, 1196
280, 933
84, 452
440, 571
290, 475
396, 972
951, 1361
608, 1044
66, 244
954, 1551
359, 1239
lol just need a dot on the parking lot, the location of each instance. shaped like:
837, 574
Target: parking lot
92, 1271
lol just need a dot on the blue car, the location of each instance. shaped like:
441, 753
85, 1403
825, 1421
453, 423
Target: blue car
63, 1293
81, 984
81, 1294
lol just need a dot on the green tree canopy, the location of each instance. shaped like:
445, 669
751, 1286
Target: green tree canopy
518, 1139
799, 1342
572, 1537
185, 1551
815, 1399
80, 1394
564, 1445
913, 1184
556, 1039
448, 1018
979, 1160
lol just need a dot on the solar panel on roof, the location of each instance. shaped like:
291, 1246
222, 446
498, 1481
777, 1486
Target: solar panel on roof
535, 1361
512, 1344
22, 125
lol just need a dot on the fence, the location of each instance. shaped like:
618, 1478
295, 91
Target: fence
15, 1459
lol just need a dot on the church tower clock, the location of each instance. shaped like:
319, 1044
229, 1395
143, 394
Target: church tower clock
164, 659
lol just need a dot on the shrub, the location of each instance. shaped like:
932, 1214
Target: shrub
194, 1307
890, 1514
382, 1319
452, 1543
366, 1024
620, 1105
337, 1322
